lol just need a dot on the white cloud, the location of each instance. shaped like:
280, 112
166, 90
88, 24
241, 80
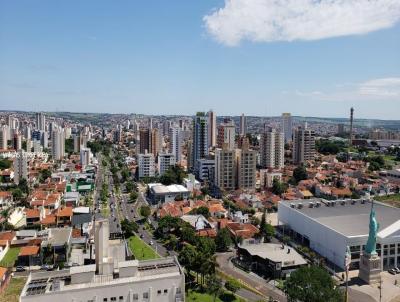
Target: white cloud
386, 87
383, 89
288, 20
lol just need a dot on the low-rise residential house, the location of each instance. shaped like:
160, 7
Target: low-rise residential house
64, 216
6, 199
238, 216
32, 217
245, 231
56, 243
71, 199
198, 222
217, 210
29, 255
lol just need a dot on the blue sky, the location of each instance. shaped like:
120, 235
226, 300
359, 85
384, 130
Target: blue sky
179, 57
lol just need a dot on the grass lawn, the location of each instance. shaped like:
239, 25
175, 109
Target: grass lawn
204, 297
13, 290
140, 249
393, 200
10, 258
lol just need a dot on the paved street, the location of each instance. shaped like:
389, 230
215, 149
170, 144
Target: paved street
226, 266
131, 211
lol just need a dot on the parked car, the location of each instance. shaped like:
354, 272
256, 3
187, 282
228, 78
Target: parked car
20, 269
141, 236
392, 271
397, 269
151, 242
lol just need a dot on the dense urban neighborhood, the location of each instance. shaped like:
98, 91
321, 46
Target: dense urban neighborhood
197, 208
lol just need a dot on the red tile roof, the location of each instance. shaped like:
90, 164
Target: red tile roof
28, 251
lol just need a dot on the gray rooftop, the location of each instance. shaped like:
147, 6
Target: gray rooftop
275, 253
348, 219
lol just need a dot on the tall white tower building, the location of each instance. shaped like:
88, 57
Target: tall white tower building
58, 144
212, 128
175, 142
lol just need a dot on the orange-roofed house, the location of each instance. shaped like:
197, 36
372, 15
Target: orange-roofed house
48, 221
218, 210
64, 216
32, 216
242, 230
7, 236
29, 255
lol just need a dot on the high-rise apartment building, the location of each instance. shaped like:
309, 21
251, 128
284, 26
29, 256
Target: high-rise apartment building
58, 144
225, 169
85, 155
20, 166
246, 167
226, 135
165, 161
272, 148
287, 126
77, 143
40, 121
243, 125
200, 138
144, 140
175, 142
17, 141
27, 132
3, 137
155, 141
146, 165
212, 128
303, 145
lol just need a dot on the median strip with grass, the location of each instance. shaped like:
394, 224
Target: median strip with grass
140, 249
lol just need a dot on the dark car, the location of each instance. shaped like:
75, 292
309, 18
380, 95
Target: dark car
20, 269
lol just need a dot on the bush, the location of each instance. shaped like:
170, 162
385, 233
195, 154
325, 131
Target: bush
232, 285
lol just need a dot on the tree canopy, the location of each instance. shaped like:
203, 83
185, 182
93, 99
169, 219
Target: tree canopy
174, 175
145, 211
300, 173
5, 163
312, 284
223, 240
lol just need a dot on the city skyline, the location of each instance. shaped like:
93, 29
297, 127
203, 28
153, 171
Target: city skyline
179, 58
